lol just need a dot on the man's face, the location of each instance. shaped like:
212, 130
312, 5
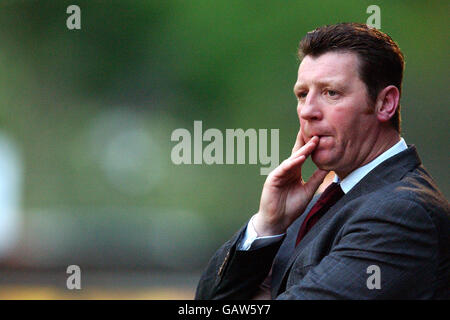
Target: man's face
333, 105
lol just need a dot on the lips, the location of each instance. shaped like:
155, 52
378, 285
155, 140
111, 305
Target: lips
308, 134
324, 141
318, 135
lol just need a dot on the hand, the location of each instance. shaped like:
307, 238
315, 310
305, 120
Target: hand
285, 195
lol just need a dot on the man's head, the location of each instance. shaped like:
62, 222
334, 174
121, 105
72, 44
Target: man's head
381, 63
348, 91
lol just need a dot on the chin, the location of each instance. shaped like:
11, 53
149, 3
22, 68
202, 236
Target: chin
323, 161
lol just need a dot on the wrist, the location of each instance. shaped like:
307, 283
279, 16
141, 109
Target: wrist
264, 228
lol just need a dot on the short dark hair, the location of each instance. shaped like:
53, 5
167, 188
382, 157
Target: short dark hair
381, 60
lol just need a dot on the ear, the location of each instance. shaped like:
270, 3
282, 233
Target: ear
387, 103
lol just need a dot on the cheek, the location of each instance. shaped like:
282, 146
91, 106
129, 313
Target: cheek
344, 120
352, 132
338, 122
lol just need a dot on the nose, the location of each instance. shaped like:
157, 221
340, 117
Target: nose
309, 108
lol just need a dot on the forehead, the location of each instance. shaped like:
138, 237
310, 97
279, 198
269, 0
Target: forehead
339, 67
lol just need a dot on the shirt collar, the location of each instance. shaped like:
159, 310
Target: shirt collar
353, 178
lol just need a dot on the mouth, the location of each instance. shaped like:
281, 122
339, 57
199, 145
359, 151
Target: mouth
324, 141
320, 136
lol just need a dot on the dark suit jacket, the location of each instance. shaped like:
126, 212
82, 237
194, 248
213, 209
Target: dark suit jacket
395, 218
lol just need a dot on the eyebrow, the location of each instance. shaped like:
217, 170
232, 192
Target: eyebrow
320, 83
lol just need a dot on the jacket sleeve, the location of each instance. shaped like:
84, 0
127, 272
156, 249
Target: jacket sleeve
385, 252
234, 274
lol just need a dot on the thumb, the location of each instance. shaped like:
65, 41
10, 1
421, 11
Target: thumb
315, 180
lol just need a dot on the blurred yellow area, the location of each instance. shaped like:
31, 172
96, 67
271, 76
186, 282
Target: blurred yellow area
51, 293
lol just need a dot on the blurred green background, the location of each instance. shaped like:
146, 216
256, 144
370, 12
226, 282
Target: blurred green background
86, 118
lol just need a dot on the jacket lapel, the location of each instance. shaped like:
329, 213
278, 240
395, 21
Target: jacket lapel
391, 170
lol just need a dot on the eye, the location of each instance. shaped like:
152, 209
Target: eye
332, 93
302, 95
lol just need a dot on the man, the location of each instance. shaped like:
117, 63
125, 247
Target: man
382, 228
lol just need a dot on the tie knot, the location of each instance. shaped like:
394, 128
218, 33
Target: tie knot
332, 193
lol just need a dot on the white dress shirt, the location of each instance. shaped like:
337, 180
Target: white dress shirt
251, 239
